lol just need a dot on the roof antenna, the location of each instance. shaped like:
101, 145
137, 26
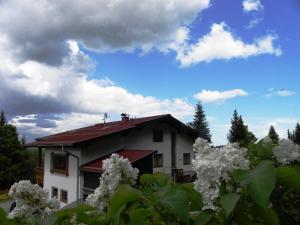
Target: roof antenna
105, 117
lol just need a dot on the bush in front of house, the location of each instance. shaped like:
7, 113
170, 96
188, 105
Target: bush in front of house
259, 185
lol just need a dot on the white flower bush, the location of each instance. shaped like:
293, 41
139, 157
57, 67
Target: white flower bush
116, 171
286, 152
31, 199
213, 165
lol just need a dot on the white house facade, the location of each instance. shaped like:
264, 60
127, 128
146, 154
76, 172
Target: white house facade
73, 159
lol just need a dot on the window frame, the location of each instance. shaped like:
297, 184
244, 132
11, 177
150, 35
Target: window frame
64, 171
61, 196
189, 158
52, 190
155, 164
158, 135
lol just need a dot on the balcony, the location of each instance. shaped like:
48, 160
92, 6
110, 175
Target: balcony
39, 176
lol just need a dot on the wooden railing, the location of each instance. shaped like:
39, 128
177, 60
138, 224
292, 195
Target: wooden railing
39, 176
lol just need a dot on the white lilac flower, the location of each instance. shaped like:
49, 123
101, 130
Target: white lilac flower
286, 152
213, 165
30, 199
116, 171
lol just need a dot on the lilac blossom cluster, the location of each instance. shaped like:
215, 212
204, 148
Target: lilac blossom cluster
116, 171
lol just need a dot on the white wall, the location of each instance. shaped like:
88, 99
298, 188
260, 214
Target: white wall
61, 181
140, 139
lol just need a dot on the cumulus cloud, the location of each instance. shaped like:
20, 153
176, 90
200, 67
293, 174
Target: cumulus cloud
39, 30
252, 5
31, 89
220, 43
206, 96
281, 93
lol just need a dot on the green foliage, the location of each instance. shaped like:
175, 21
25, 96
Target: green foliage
273, 135
289, 177
259, 152
200, 123
81, 214
259, 181
229, 201
16, 162
239, 132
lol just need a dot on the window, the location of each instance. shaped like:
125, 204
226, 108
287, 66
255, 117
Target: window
59, 163
186, 159
64, 196
158, 160
158, 136
54, 193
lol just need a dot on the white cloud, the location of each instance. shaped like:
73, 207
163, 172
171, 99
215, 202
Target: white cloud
280, 93
37, 88
39, 30
220, 43
252, 5
206, 96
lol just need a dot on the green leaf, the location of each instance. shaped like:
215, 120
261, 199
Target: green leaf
268, 215
125, 194
193, 196
259, 181
138, 216
289, 177
229, 201
203, 218
176, 202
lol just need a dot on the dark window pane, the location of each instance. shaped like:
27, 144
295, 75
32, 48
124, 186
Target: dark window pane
186, 158
158, 160
59, 162
64, 196
54, 192
158, 135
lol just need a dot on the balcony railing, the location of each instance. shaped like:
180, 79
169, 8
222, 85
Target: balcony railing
39, 176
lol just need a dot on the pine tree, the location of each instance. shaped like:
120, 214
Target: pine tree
297, 134
200, 123
239, 132
2, 118
289, 135
273, 135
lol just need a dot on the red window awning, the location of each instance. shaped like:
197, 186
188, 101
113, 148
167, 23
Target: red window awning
131, 155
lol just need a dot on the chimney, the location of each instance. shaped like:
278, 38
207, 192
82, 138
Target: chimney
125, 117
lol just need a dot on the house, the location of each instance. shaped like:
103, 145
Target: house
72, 160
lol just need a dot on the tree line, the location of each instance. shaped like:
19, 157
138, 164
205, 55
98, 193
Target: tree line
16, 162
238, 132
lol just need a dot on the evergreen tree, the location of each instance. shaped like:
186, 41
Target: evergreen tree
16, 163
289, 135
273, 135
233, 134
297, 134
239, 132
2, 118
200, 123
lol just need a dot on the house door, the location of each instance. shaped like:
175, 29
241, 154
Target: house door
173, 149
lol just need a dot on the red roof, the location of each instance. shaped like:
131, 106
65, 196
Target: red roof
95, 131
131, 155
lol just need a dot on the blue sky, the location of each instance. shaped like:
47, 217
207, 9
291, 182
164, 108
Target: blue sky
149, 59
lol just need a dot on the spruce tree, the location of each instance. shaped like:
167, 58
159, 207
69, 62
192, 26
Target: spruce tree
273, 135
2, 118
239, 132
297, 134
200, 123
289, 135
233, 135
